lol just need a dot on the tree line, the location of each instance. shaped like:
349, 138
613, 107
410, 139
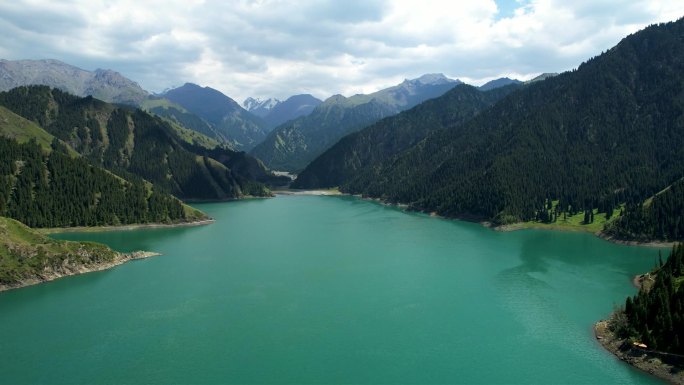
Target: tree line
56, 190
655, 316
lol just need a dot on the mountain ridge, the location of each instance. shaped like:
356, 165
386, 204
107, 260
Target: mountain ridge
292, 145
582, 140
242, 129
107, 85
135, 144
392, 135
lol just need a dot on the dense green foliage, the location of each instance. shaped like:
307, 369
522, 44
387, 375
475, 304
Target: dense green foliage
191, 121
247, 167
367, 148
15, 127
661, 217
656, 316
130, 143
26, 254
291, 146
227, 119
56, 190
611, 131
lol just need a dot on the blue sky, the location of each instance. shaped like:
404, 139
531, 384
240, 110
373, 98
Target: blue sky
277, 48
507, 8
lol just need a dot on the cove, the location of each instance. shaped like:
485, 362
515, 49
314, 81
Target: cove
309, 289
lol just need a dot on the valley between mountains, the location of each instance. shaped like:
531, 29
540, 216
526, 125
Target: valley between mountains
599, 148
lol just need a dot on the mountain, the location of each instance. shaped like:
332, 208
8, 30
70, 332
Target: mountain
292, 108
102, 84
390, 136
175, 113
609, 132
134, 144
55, 189
274, 112
241, 128
496, 83
259, 107
291, 146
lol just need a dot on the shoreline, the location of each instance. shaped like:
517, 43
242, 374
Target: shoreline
473, 219
316, 192
653, 363
97, 229
661, 244
120, 259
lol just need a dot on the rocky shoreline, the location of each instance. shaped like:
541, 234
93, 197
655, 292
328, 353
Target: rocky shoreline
86, 229
662, 365
609, 238
68, 270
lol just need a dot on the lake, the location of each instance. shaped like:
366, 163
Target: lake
311, 289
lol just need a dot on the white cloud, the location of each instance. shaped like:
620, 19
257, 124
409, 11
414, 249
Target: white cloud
278, 48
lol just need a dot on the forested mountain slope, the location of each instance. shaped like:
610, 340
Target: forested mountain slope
130, 143
367, 148
54, 189
655, 316
660, 217
227, 118
291, 146
611, 131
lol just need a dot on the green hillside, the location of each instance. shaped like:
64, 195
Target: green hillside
27, 255
372, 145
54, 189
610, 132
655, 316
291, 146
130, 143
221, 117
14, 126
660, 217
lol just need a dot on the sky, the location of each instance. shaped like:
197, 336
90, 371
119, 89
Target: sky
278, 48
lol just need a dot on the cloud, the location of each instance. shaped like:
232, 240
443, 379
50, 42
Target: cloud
278, 48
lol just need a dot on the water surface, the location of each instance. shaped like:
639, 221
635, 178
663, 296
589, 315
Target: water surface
306, 289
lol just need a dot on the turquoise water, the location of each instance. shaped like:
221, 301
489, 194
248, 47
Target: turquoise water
305, 289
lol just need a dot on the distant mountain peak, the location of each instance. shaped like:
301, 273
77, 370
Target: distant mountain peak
104, 84
337, 98
434, 79
251, 104
243, 129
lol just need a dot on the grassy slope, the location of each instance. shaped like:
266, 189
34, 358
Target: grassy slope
27, 254
21, 129
188, 135
572, 223
16, 127
150, 103
193, 137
